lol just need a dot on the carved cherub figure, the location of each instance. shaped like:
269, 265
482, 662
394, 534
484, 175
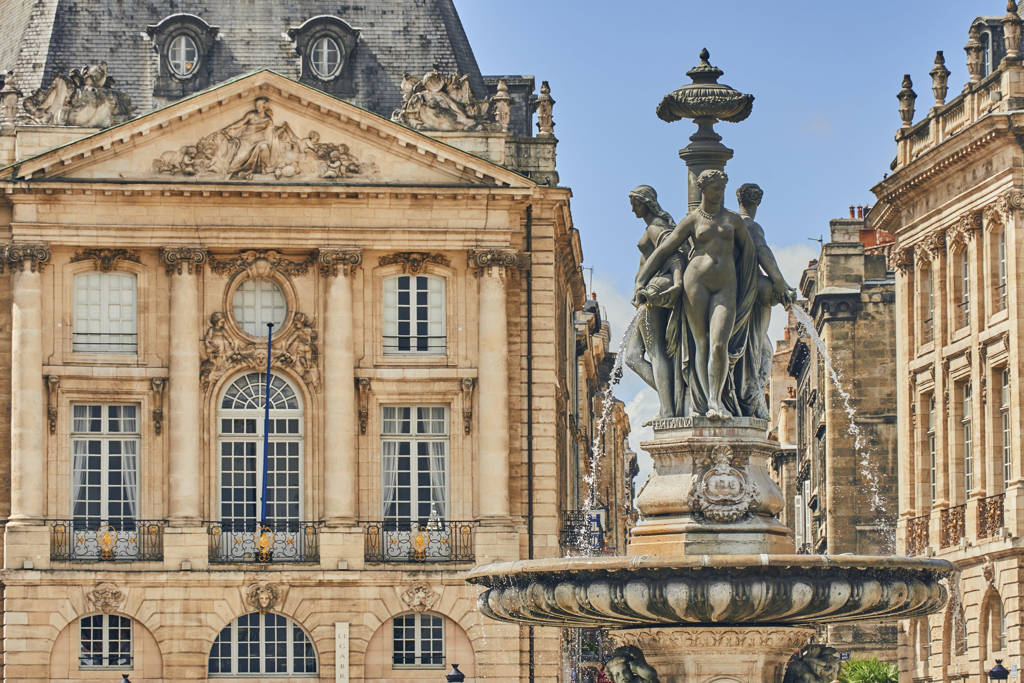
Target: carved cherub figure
628, 665
814, 664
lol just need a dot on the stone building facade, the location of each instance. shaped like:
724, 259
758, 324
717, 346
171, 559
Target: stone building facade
421, 267
845, 485
953, 201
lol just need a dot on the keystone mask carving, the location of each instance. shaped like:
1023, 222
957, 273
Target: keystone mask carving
420, 597
85, 97
105, 598
262, 597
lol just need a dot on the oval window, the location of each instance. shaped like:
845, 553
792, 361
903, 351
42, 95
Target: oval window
183, 56
325, 57
256, 303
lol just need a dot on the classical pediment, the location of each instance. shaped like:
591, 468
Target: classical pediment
264, 129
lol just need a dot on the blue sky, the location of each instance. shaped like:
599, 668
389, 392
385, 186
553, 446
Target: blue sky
824, 74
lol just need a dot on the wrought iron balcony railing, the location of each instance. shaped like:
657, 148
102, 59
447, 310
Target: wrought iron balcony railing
433, 540
917, 535
106, 540
990, 516
273, 541
952, 525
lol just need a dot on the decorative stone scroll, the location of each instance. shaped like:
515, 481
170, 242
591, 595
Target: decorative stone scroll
262, 597
420, 597
105, 598
13, 256
445, 102
255, 147
903, 258
84, 97
413, 261
363, 386
999, 211
468, 387
721, 491
157, 386
963, 230
106, 258
258, 263
52, 383
296, 348
482, 259
183, 259
334, 261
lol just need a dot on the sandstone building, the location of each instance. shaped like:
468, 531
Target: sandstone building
407, 237
842, 487
953, 202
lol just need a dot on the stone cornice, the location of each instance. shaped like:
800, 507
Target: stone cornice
13, 256
183, 259
335, 261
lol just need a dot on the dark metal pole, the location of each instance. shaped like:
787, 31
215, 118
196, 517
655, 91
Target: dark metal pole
266, 431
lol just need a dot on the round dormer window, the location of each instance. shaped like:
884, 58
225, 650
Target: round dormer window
183, 56
325, 57
257, 302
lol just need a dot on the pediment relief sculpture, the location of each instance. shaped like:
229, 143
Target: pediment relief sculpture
224, 350
259, 263
445, 102
255, 147
84, 97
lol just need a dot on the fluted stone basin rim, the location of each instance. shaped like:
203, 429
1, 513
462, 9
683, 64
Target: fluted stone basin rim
709, 590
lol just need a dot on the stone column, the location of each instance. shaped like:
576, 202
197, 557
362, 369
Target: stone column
340, 452
27, 452
490, 267
184, 264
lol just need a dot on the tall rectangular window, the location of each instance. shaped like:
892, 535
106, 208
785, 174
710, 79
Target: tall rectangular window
931, 447
965, 428
928, 328
105, 467
413, 314
105, 313
418, 641
1001, 270
414, 450
965, 288
105, 640
1004, 424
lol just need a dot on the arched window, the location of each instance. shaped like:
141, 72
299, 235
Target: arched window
240, 438
105, 313
413, 314
417, 641
262, 645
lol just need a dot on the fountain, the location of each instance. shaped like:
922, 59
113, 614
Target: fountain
710, 590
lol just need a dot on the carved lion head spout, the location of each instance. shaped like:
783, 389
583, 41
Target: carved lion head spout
628, 665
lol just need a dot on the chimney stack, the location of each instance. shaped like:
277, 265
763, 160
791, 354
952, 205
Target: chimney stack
851, 211
860, 212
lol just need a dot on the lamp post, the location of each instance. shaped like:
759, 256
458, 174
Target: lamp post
998, 672
455, 676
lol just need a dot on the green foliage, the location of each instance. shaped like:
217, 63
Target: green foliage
868, 671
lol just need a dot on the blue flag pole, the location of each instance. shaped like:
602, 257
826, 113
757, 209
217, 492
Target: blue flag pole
266, 432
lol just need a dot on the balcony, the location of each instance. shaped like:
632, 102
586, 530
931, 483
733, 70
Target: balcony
121, 540
272, 542
917, 535
952, 526
424, 541
990, 516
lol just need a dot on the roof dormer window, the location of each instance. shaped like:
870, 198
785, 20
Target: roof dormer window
185, 45
325, 57
324, 44
183, 56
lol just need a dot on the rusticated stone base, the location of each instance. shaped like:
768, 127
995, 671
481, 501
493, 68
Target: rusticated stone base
717, 655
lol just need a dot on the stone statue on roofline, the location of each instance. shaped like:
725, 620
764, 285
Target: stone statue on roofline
84, 97
445, 102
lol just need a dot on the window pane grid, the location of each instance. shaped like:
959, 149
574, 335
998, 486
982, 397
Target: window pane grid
418, 641
413, 314
1004, 419
262, 645
931, 447
968, 455
105, 640
104, 447
256, 303
414, 447
105, 313
326, 57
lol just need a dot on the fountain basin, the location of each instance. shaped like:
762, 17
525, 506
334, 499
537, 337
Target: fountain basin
709, 590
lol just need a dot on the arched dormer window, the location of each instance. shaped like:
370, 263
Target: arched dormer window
263, 645
184, 43
324, 44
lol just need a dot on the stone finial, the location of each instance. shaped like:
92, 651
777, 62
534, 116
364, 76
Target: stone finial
545, 105
974, 50
501, 106
1011, 31
907, 97
940, 79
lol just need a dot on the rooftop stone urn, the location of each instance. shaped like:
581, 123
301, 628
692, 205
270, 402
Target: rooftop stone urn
710, 590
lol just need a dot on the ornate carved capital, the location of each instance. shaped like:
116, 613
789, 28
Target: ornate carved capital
15, 255
105, 598
157, 386
182, 260
344, 261
52, 383
482, 259
363, 385
262, 597
259, 263
106, 258
413, 261
903, 258
420, 597
468, 386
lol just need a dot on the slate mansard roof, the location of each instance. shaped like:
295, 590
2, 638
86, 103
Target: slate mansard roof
42, 38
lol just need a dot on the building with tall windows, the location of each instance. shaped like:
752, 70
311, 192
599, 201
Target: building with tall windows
177, 218
953, 201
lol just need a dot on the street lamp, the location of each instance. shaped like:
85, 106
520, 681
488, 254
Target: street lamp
455, 676
998, 672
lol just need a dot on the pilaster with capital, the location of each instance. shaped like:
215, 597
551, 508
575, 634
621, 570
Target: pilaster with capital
26, 262
338, 267
184, 264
